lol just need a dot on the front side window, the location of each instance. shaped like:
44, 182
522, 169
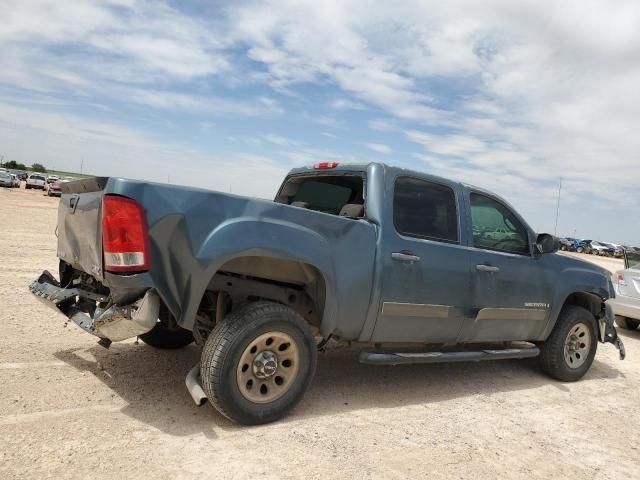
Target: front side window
495, 227
425, 210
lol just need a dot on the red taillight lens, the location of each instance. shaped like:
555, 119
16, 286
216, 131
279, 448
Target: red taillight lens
620, 279
125, 240
325, 165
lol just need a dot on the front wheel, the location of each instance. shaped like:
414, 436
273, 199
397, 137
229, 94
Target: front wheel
570, 349
258, 362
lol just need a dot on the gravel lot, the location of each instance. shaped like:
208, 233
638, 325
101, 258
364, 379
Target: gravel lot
71, 409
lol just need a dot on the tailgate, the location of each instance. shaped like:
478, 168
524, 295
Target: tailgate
79, 225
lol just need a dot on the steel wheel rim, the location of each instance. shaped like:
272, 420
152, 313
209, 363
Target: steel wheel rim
268, 367
577, 346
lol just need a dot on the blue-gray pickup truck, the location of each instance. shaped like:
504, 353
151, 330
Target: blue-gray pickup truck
407, 267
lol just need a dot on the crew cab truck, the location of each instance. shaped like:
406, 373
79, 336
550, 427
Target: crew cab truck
399, 263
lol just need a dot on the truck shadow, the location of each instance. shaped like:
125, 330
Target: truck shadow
151, 382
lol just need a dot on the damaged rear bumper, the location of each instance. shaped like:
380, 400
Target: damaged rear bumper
113, 323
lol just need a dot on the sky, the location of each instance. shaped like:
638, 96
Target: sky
509, 96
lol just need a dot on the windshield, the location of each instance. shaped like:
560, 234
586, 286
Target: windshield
324, 193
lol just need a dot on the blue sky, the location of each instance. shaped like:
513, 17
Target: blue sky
230, 96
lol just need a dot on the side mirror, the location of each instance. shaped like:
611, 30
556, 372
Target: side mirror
546, 243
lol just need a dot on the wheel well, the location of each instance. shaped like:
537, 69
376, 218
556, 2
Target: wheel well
590, 301
296, 284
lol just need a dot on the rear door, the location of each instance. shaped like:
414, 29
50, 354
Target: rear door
425, 286
511, 287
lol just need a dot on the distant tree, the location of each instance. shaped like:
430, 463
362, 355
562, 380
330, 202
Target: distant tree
38, 167
13, 165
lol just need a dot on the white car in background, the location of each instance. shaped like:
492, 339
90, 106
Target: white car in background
626, 283
36, 180
5, 180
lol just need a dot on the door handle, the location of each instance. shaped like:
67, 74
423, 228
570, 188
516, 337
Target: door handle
405, 256
487, 268
73, 203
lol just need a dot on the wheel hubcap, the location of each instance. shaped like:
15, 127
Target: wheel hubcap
268, 367
577, 346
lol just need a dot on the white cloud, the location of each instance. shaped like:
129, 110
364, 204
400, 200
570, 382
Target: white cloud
379, 147
111, 150
512, 94
279, 140
346, 104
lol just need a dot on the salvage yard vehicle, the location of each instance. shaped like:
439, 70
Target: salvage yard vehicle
36, 181
6, 180
393, 261
55, 189
626, 304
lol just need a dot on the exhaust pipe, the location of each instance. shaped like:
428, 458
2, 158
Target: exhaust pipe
193, 385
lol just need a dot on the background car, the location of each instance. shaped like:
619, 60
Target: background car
626, 304
6, 180
36, 180
583, 246
602, 249
15, 180
52, 179
618, 250
55, 189
566, 244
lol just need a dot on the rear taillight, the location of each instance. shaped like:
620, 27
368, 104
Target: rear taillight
125, 239
620, 279
325, 165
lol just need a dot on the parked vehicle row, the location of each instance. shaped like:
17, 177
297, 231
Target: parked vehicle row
593, 247
50, 184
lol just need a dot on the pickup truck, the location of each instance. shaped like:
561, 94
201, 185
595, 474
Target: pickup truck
397, 263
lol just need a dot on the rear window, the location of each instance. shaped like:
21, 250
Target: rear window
324, 193
36, 177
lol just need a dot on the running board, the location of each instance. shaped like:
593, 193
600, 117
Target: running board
372, 358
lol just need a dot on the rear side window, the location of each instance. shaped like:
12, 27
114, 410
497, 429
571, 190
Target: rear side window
425, 210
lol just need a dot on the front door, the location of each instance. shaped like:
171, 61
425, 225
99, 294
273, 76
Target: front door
511, 290
425, 286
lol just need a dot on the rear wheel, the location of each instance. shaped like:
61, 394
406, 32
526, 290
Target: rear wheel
628, 323
164, 338
570, 349
580, 249
258, 362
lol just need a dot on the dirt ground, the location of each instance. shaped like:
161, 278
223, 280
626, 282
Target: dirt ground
71, 409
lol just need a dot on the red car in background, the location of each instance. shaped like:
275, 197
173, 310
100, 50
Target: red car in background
54, 189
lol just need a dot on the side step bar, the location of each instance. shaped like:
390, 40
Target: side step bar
372, 358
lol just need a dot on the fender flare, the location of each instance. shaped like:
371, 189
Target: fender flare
596, 293
250, 236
